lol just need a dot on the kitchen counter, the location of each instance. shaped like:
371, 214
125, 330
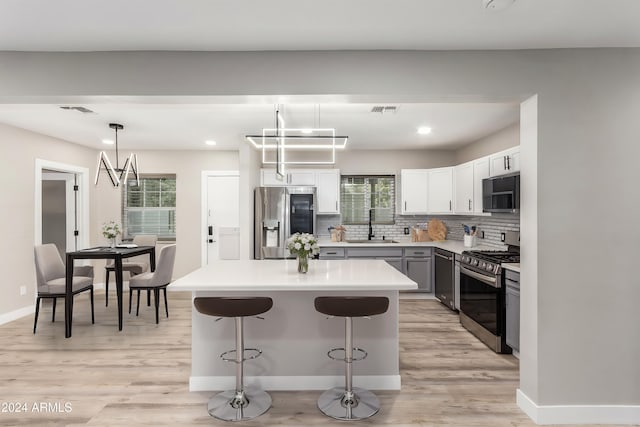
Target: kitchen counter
282, 275
455, 246
293, 336
512, 266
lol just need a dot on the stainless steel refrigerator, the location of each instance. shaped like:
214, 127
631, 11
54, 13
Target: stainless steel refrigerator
279, 213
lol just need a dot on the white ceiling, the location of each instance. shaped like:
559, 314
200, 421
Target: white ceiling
227, 25
187, 126
97, 25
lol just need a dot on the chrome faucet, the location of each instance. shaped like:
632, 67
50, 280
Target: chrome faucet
370, 226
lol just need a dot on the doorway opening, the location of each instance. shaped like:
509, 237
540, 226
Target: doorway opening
61, 205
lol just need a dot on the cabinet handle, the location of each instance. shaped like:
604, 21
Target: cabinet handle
418, 253
449, 205
336, 206
504, 162
405, 205
332, 253
469, 205
508, 163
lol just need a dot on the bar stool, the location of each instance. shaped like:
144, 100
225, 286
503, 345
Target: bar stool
242, 403
349, 403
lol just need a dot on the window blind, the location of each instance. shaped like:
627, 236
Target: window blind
362, 195
150, 208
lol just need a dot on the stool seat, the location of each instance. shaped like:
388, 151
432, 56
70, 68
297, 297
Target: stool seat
349, 306
233, 306
349, 402
242, 403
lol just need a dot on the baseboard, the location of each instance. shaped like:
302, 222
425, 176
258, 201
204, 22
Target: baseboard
17, 314
284, 383
578, 414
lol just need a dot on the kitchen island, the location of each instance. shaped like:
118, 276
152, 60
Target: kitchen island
294, 337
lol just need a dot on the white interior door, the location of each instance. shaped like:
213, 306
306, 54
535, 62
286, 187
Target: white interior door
223, 213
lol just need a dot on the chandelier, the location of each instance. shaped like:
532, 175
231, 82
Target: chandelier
118, 174
319, 144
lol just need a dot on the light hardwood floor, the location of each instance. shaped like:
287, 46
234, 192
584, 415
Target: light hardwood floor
140, 376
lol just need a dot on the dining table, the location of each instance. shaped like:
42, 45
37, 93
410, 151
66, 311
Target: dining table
117, 254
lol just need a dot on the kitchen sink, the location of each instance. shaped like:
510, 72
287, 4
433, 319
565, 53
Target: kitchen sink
372, 241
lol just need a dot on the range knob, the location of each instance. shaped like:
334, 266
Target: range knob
490, 267
474, 262
483, 264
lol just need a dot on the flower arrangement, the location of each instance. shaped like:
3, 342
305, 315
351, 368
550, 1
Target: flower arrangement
303, 245
110, 229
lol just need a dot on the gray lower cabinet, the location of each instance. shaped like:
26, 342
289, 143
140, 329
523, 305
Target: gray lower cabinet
332, 253
419, 270
395, 263
415, 262
512, 294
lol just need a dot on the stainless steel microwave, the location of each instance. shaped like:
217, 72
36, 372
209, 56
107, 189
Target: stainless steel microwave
501, 193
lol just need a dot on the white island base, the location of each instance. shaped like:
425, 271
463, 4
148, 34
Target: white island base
293, 336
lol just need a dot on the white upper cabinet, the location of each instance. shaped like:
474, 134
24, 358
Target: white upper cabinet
464, 187
480, 172
328, 191
504, 162
413, 184
299, 177
440, 190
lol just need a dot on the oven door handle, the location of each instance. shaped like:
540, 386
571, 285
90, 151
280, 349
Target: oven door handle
491, 281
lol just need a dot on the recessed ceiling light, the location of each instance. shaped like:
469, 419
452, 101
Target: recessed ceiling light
107, 141
424, 130
210, 142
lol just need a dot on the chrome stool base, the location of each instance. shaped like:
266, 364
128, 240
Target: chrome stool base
232, 406
336, 404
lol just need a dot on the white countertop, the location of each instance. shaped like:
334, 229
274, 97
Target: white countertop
512, 266
455, 246
282, 275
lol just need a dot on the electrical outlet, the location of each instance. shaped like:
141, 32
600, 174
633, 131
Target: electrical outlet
482, 234
406, 230
23, 290
502, 237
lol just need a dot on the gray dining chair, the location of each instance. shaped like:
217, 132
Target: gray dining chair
135, 265
51, 278
156, 280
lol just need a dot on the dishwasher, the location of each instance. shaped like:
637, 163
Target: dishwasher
445, 271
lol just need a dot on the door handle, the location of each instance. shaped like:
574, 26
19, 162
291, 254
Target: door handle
210, 232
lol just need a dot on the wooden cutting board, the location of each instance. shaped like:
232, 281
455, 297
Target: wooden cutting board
436, 229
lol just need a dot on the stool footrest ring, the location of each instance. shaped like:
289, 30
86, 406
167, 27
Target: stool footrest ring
257, 353
363, 353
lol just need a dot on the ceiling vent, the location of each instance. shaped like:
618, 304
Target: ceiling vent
497, 4
384, 109
80, 109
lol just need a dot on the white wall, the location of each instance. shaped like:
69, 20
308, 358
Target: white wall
19, 150
498, 141
391, 162
588, 340
187, 165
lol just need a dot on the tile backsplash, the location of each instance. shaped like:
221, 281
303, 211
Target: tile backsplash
491, 225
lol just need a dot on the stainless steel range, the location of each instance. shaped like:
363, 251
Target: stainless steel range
482, 296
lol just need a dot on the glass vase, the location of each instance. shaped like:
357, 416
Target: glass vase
303, 264
113, 242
